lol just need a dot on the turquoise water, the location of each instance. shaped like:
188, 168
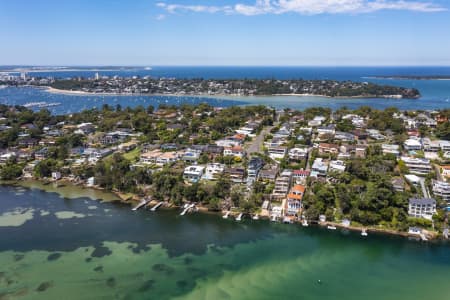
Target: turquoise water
81, 248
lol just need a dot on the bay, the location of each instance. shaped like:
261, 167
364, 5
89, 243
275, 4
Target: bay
435, 93
79, 247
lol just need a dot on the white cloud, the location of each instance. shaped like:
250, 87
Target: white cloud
160, 17
307, 7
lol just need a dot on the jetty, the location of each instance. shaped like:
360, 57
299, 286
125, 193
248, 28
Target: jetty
187, 207
141, 204
154, 208
364, 232
239, 218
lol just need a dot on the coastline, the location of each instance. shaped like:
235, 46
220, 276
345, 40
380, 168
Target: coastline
82, 93
68, 189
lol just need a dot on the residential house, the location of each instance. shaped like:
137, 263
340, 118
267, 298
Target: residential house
442, 189
390, 149
337, 166
319, 168
422, 208
328, 148
300, 175
160, 158
298, 154
282, 184
277, 152
420, 166
268, 174
412, 145
294, 200
236, 175
445, 171
235, 151
213, 171
398, 184
254, 166
344, 136
191, 155
193, 173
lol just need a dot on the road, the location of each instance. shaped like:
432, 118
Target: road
426, 193
257, 143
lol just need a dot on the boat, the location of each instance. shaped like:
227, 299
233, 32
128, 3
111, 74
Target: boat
273, 218
364, 232
239, 218
255, 217
225, 216
331, 227
305, 223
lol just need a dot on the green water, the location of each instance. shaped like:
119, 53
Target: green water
81, 248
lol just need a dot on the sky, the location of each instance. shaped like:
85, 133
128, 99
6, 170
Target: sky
225, 32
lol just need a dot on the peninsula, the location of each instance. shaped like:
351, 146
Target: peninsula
219, 87
365, 169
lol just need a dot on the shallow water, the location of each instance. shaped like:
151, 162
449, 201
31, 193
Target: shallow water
115, 253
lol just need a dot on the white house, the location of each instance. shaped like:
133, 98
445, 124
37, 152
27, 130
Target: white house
417, 165
213, 171
422, 208
412, 145
193, 173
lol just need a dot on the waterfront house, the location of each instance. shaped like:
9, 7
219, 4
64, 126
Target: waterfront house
442, 189
236, 175
294, 200
56, 175
193, 173
420, 166
422, 208
282, 184
213, 171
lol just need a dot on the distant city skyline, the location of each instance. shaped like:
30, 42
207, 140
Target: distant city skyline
225, 32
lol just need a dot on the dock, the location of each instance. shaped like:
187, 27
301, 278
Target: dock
239, 217
186, 209
141, 204
154, 208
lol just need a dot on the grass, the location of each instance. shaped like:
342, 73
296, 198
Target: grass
133, 154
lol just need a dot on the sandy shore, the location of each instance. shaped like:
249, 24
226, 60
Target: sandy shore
223, 96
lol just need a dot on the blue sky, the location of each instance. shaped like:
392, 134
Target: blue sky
225, 32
